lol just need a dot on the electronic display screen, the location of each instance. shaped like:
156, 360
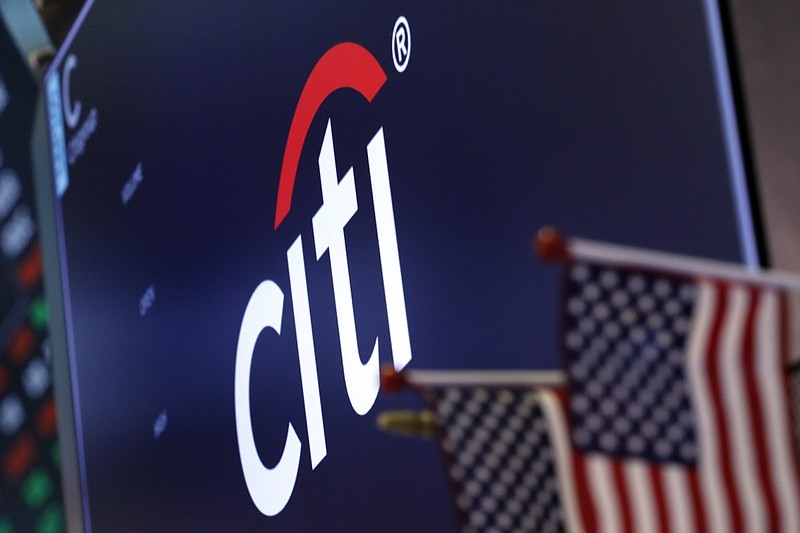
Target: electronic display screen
30, 484
257, 204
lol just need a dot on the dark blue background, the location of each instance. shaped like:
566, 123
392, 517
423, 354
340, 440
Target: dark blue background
599, 119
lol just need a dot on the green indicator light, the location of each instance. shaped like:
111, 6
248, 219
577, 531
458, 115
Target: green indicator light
51, 520
36, 488
5, 525
38, 313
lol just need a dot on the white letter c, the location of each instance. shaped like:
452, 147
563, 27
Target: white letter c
270, 488
72, 111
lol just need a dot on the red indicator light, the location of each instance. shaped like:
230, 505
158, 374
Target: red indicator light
21, 456
46, 420
29, 272
21, 345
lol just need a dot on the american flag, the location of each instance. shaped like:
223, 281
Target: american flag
680, 403
678, 409
677, 414
514, 468
506, 447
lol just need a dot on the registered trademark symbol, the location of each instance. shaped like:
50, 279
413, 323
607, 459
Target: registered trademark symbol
401, 44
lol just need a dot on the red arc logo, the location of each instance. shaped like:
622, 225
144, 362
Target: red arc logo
345, 66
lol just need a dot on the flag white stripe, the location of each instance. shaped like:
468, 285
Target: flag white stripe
705, 425
794, 327
604, 493
642, 499
559, 435
770, 370
737, 412
616, 255
679, 504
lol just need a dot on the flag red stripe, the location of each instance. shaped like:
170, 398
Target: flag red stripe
698, 505
662, 513
785, 358
713, 363
584, 495
588, 510
755, 409
580, 481
621, 486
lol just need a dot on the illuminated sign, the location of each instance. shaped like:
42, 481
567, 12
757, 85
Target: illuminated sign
345, 66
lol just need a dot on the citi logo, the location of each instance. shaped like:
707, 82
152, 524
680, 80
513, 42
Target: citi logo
345, 66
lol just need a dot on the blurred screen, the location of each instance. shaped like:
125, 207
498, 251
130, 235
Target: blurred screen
258, 203
30, 484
